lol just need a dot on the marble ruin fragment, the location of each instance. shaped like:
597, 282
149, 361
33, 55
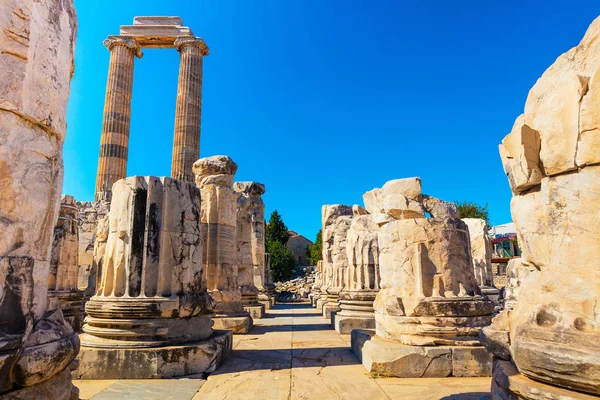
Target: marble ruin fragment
250, 239
481, 253
546, 341
336, 220
214, 177
362, 277
62, 282
151, 314
429, 311
37, 344
150, 32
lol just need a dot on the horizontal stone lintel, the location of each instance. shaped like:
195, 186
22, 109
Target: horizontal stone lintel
156, 36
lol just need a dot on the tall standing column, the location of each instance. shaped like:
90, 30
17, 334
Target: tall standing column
186, 143
114, 142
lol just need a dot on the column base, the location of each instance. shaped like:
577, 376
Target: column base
345, 323
509, 384
313, 299
266, 303
321, 301
238, 324
255, 310
156, 362
384, 357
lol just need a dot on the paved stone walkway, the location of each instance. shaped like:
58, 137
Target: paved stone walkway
292, 354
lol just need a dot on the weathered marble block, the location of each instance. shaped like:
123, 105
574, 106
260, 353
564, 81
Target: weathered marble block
550, 329
36, 343
151, 298
362, 277
62, 282
214, 177
251, 246
336, 221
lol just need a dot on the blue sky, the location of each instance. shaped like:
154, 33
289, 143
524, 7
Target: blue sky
324, 100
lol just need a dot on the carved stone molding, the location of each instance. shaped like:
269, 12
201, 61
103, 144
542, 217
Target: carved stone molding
126, 41
192, 41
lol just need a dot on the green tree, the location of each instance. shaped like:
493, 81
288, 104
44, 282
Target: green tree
468, 209
276, 231
283, 262
314, 252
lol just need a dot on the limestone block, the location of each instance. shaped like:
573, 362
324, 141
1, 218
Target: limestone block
509, 384
588, 148
439, 208
36, 54
215, 165
407, 187
481, 251
401, 198
520, 153
152, 363
554, 105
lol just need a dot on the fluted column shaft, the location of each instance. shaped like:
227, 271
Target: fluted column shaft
114, 142
186, 142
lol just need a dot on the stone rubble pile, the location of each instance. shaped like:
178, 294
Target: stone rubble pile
297, 289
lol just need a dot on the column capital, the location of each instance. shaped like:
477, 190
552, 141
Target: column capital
184, 41
126, 41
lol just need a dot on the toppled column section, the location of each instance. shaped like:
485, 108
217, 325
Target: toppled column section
546, 341
362, 277
214, 177
151, 301
251, 246
336, 221
430, 310
62, 282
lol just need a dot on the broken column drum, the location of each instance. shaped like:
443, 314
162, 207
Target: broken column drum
336, 220
362, 278
250, 242
62, 281
150, 32
429, 311
214, 177
151, 300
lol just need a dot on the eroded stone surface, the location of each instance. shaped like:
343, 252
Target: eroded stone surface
36, 47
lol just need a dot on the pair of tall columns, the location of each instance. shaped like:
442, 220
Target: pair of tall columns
114, 142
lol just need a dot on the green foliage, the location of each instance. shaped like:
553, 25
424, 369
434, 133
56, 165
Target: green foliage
276, 231
468, 209
282, 261
315, 250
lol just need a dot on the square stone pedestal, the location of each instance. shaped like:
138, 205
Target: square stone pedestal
255, 311
236, 324
329, 308
321, 301
266, 304
383, 357
344, 324
154, 362
509, 384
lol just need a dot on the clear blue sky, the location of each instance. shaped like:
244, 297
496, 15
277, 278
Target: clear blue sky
324, 100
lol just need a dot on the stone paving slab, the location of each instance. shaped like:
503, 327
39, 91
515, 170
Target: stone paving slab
291, 354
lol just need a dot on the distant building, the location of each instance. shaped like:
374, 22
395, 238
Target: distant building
504, 239
298, 245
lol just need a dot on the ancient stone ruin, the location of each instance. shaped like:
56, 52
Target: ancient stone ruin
150, 32
37, 344
151, 301
546, 341
429, 311
62, 282
214, 177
